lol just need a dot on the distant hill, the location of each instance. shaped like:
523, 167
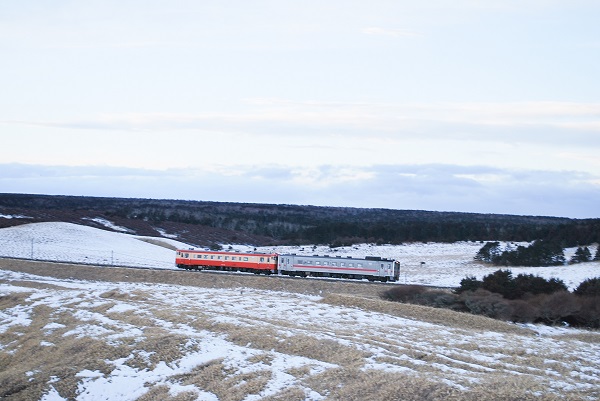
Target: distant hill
205, 223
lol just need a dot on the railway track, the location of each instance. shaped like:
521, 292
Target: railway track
203, 278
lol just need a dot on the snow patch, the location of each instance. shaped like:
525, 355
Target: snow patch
109, 224
14, 216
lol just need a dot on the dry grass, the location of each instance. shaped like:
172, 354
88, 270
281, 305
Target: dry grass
424, 313
161, 393
371, 385
426, 362
289, 394
222, 381
300, 345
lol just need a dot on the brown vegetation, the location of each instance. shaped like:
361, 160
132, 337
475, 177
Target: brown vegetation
443, 355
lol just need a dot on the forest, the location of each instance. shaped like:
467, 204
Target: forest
298, 224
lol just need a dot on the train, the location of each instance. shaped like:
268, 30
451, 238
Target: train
372, 268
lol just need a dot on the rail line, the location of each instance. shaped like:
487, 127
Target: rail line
216, 272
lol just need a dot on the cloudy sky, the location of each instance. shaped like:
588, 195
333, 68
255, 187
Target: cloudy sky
451, 105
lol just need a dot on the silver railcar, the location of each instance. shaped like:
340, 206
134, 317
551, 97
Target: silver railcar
372, 268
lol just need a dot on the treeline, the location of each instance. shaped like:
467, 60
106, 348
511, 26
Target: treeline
335, 226
539, 253
522, 299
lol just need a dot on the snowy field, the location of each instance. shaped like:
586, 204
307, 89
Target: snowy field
436, 264
128, 341
82, 244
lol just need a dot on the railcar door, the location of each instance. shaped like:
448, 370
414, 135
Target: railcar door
285, 263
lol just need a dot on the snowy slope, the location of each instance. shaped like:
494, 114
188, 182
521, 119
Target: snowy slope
82, 244
271, 337
438, 264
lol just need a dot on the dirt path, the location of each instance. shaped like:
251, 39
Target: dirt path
195, 279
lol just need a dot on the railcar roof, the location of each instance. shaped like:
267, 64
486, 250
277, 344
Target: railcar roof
225, 252
369, 258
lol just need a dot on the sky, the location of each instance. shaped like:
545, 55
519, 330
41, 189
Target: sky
464, 105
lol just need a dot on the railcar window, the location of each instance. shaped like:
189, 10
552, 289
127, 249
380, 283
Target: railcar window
350, 264
333, 264
245, 259
212, 256
187, 255
262, 259
205, 256
342, 264
226, 257
359, 265
317, 263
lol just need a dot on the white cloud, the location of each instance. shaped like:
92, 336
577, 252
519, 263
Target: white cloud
267, 116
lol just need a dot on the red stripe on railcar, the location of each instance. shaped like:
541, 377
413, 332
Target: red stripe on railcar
350, 269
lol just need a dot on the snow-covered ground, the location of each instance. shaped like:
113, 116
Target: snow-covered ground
82, 244
437, 264
280, 341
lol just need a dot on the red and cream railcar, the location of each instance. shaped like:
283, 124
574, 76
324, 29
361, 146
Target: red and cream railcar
265, 263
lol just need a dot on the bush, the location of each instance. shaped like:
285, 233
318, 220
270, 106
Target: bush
589, 312
469, 283
523, 311
403, 293
482, 302
526, 298
589, 287
502, 282
530, 284
420, 295
557, 307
